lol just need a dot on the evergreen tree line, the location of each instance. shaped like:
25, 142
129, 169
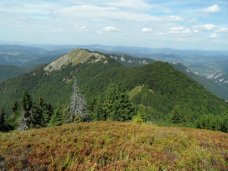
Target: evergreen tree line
29, 114
216, 123
212, 122
113, 105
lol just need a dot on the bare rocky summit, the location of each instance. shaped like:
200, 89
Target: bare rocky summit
78, 56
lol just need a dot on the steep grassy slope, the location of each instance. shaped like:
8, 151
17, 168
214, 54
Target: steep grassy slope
114, 146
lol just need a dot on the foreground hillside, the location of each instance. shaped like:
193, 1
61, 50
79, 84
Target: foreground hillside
114, 146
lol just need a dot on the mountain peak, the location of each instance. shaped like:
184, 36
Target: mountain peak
75, 57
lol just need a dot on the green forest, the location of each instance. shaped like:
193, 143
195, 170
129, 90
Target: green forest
150, 93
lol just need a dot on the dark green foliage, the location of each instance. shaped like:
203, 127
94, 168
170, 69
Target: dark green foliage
33, 114
177, 115
224, 125
26, 118
41, 113
216, 123
2, 117
47, 113
117, 105
163, 88
57, 119
27, 102
37, 114
14, 120
96, 109
4, 126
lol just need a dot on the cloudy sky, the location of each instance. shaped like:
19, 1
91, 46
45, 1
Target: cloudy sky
181, 24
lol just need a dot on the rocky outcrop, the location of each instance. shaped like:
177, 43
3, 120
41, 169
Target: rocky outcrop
76, 57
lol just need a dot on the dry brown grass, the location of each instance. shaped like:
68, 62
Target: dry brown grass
114, 146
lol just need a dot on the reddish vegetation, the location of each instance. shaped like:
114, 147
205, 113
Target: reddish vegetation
114, 146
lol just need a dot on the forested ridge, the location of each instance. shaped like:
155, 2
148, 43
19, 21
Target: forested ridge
154, 92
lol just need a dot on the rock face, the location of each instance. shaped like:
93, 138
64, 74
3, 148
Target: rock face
78, 56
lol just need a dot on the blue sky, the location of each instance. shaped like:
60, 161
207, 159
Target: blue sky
181, 24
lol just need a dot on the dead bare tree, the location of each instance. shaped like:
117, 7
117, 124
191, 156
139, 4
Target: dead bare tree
77, 104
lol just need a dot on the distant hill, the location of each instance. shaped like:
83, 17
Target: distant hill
26, 56
163, 87
220, 90
10, 71
113, 146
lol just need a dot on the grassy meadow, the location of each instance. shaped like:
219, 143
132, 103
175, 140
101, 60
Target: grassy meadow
114, 146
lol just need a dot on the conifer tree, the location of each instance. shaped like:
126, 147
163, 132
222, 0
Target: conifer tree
177, 115
41, 113
57, 118
3, 125
2, 117
15, 118
98, 111
26, 118
48, 112
224, 125
117, 105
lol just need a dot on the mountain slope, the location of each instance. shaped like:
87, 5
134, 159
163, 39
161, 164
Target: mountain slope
113, 146
10, 71
219, 90
163, 86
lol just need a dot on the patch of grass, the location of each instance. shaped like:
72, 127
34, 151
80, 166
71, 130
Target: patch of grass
135, 91
114, 146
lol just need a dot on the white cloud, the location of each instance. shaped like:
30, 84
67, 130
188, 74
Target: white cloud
196, 31
80, 27
179, 30
173, 18
147, 29
83, 28
222, 30
111, 29
99, 32
161, 33
207, 27
131, 4
211, 9
213, 35
91, 12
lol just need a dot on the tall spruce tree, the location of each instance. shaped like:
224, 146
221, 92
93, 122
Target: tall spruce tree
4, 126
98, 111
2, 117
177, 115
117, 105
41, 113
57, 119
48, 112
14, 120
26, 118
